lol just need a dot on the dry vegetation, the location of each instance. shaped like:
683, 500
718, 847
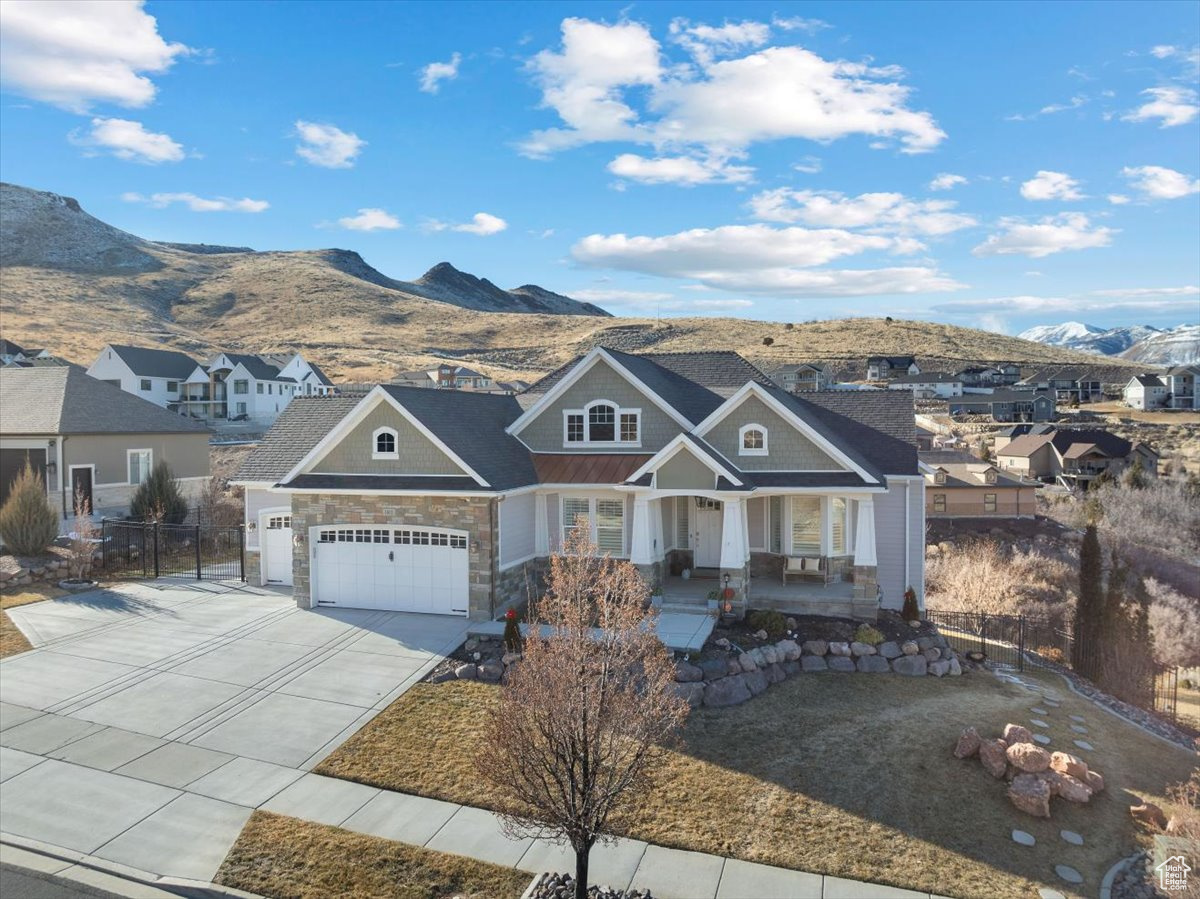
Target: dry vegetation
12, 641
985, 575
287, 858
823, 773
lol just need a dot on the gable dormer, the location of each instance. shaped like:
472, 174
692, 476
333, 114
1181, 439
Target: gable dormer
939, 477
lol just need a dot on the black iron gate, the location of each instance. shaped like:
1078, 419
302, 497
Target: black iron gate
148, 549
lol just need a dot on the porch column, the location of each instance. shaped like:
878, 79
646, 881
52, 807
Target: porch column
541, 530
641, 542
864, 537
745, 529
656, 519
733, 540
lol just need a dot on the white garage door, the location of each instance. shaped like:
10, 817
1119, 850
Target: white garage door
399, 569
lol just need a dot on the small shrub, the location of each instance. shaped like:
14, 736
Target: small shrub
158, 498
868, 634
789, 326
911, 611
28, 523
768, 341
774, 623
1052, 654
512, 631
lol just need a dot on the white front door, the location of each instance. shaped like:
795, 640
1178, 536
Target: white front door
277, 548
708, 533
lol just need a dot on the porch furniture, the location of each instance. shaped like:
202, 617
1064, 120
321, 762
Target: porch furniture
815, 568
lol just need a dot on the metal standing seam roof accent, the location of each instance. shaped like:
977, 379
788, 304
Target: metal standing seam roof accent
586, 468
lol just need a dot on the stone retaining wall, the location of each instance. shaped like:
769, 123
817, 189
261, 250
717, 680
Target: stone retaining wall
53, 570
733, 677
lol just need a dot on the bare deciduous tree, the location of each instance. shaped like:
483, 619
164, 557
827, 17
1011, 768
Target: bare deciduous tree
583, 717
83, 539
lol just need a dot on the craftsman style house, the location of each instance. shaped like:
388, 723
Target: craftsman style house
450, 502
1074, 457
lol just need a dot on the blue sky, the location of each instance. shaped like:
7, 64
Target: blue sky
998, 165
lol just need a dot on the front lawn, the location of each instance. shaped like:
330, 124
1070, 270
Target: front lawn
287, 858
849, 775
12, 641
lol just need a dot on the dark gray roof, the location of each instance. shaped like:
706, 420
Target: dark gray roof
928, 377
260, 368
63, 399
1149, 380
8, 348
893, 361
321, 376
1000, 396
299, 428
805, 479
147, 362
1192, 369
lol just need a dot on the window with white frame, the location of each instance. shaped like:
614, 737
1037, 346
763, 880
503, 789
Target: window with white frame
602, 422
172, 387
806, 525
752, 440
603, 518
939, 502
140, 461
839, 523
258, 388
989, 502
241, 386
384, 445
145, 385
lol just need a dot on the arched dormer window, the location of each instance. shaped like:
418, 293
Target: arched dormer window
752, 440
602, 423
384, 444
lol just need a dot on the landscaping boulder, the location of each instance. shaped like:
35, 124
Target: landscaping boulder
466, 672
726, 691
443, 677
1072, 789
838, 648
789, 649
1053, 780
815, 647
491, 672
947, 652
510, 658
1027, 757
873, 664
1066, 763
861, 649
759, 657
1149, 814
791, 623
813, 663
1095, 781
747, 663
909, 648
968, 744
770, 655
841, 663
791, 668
889, 650
939, 668
735, 666
723, 643
774, 673
911, 666
1015, 733
924, 643
955, 667
686, 672
1030, 794
756, 681
760, 634
932, 654
691, 692
992, 755
714, 668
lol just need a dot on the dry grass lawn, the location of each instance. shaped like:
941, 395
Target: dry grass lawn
12, 641
1188, 705
850, 776
286, 858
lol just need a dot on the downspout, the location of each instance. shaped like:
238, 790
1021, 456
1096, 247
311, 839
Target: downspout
62, 472
907, 532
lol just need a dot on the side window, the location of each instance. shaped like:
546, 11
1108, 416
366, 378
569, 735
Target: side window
574, 426
989, 502
384, 444
753, 440
145, 385
939, 502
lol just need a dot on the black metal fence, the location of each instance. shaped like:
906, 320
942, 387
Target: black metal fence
149, 549
1018, 641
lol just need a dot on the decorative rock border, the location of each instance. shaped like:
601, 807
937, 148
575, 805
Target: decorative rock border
735, 676
50, 570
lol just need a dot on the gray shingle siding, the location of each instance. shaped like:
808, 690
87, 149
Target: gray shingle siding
683, 471
418, 454
787, 448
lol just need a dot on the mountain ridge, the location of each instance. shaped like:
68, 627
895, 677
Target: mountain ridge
1144, 343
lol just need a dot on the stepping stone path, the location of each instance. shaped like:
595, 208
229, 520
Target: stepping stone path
1047, 893
1078, 729
1023, 838
1069, 874
1038, 722
1084, 744
1042, 739
1078, 718
1038, 711
1071, 837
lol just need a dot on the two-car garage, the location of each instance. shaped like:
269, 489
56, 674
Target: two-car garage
400, 569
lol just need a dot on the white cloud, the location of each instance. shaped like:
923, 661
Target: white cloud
1118, 199
75, 54
1050, 109
760, 259
809, 165
1162, 51
889, 212
1171, 105
946, 181
435, 73
370, 219
1160, 183
1189, 290
1051, 186
653, 302
1054, 234
798, 23
706, 42
720, 106
198, 204
482, 224
1072, 306
128, 140
683, 170
327, 145
621, 297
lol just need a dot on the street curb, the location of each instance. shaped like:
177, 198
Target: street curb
89, 873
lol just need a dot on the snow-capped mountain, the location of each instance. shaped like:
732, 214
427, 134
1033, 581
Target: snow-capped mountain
1067, 334
1089, 338
1178, 346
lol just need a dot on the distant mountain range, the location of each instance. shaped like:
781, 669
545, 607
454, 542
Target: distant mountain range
1137, 343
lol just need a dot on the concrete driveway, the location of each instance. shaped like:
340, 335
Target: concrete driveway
149, 720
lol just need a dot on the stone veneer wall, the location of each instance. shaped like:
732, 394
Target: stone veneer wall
515, 585
475, 515
253, 568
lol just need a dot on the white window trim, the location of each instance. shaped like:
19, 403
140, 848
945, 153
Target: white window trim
149, 465
592, 499
375, 454
587, 442
742, 450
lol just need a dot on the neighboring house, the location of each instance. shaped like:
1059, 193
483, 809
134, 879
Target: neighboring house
925, 438
151, 374
958, 485
446, 377
451, 502
1068, 383
11, 353
1004, 437
929, 384
999, 375
1146, 392
802, 378
1007, 405
1183, 386
884, 368
83, 434
1074, 457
